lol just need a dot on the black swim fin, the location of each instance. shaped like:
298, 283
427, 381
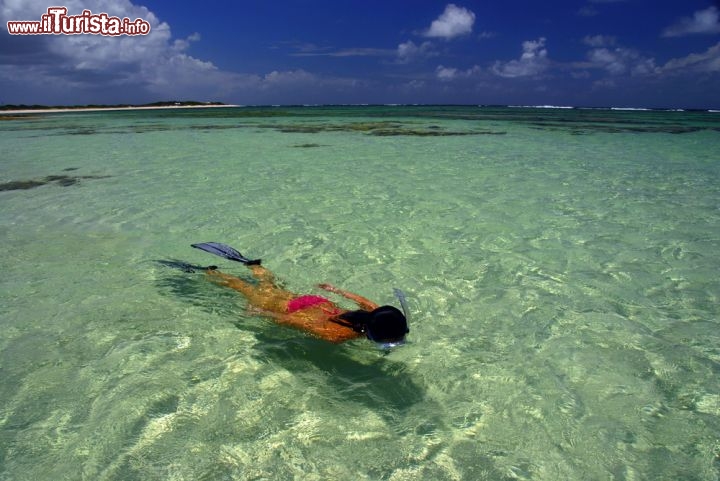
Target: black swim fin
224, 250
184, 266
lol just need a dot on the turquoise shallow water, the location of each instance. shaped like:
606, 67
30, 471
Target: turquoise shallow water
561, 267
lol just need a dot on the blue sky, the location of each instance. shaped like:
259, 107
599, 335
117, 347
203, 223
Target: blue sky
630, 53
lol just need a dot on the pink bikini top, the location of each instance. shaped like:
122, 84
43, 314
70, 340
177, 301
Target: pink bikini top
306, 301
303, 302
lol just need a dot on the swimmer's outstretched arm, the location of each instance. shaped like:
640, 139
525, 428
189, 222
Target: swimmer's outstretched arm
365, 304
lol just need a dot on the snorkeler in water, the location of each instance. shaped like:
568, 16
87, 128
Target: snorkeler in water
316, 315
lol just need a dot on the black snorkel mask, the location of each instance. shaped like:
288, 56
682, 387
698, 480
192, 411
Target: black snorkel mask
386, 345
386, 325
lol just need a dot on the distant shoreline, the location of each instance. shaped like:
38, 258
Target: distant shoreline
51, 110
196, 105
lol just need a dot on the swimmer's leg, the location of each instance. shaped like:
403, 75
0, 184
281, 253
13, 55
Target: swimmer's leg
264, 295
264, 275
232, 282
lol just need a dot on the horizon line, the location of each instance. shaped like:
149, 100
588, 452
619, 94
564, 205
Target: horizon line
37, 108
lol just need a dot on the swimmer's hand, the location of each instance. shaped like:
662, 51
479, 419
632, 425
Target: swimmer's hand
364, 304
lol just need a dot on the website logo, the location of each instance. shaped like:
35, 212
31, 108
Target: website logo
57, 22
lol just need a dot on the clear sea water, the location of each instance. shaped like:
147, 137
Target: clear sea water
561, 267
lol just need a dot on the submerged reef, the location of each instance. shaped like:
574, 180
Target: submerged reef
380, 129
585, 129
62, 180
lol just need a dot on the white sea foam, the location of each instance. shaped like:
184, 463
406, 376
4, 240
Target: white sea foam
541, 106
640, 109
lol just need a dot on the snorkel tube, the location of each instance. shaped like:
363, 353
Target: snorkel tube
403, 302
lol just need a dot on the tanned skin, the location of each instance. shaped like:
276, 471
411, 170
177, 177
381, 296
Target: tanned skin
267, 299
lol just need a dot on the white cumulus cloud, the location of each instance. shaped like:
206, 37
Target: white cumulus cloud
291, 78
532, 62
620, 61
702, 22
447, 74
599, 40
156, 63
409, 52
453, 22
96, 69
708, 61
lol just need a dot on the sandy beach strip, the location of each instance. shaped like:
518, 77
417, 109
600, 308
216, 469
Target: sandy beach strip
103, 109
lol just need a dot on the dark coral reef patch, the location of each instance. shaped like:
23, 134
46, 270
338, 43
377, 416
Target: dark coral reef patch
380, 129
62, 180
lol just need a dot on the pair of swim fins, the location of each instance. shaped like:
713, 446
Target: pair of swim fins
224, 250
